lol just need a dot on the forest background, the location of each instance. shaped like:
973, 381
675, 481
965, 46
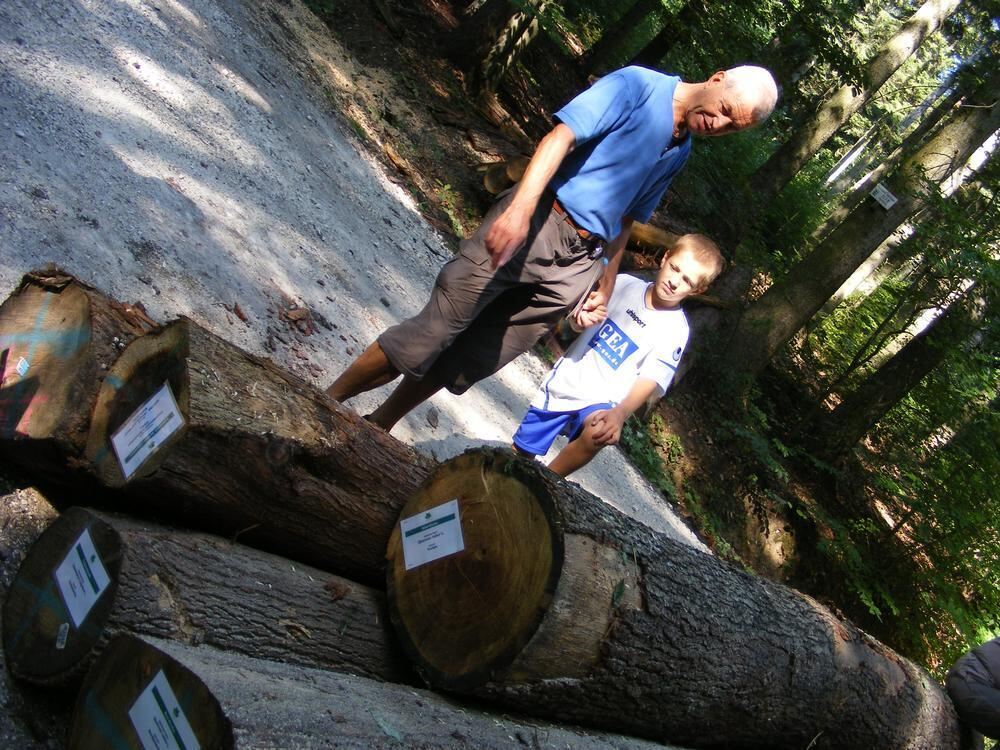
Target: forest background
837, 426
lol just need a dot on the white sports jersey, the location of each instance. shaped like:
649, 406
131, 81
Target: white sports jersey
603, 364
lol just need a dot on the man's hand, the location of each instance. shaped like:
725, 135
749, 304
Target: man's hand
593, 311
607, 425
507, 235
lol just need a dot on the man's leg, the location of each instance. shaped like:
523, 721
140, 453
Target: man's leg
407, 396
368, 371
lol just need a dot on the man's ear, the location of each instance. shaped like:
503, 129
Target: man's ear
718, 76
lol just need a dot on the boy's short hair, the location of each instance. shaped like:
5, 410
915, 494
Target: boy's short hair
705, 250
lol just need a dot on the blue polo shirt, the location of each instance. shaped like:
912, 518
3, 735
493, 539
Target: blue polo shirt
623, 160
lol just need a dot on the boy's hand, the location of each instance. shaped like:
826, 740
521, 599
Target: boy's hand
593, 311
607, 426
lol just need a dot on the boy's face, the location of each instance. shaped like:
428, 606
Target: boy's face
681, 274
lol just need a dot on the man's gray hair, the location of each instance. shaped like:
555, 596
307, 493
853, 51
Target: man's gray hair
759, 84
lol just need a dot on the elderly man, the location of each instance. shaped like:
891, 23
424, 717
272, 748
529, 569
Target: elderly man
607, 163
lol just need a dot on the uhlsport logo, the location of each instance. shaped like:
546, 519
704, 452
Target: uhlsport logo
612, 344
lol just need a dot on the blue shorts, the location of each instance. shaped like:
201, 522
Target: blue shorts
540, 428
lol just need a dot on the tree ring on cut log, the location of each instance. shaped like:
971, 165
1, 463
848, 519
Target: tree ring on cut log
44, 339
40, 640
141, 370
109, 706
468, 615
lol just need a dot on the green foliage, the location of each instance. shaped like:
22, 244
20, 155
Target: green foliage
647, 444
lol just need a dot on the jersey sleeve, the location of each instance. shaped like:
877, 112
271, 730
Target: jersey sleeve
661, 365
599, 109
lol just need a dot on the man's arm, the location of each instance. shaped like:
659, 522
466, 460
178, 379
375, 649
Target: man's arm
510, 229
595, 308
608, 423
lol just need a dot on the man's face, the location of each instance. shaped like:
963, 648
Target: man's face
717, 110
680, 275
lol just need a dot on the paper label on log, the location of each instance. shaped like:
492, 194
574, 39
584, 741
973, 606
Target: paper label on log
81, 578
22, 367
159, 720
432, 534
885, 198
146, 430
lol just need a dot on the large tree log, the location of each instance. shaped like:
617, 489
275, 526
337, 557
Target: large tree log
259, 704
196, 589
560, 606
57, 338
259, 453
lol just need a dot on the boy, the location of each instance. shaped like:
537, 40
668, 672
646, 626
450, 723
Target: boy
614, 367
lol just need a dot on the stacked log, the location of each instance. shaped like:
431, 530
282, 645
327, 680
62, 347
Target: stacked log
259, 453
558, 605
146, 579
247, 702
58, 336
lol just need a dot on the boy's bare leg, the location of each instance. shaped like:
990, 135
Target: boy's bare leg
407, 396
577, 454
368, 371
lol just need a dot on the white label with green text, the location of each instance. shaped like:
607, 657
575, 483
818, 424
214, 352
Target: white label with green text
159, 720
432, 534
146, 430
81, 578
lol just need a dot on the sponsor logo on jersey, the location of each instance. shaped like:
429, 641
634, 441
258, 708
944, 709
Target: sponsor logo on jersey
612, 344
632, 314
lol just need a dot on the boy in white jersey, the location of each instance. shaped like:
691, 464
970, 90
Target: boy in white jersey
614, 367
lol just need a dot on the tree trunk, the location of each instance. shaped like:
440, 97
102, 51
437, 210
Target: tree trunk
259, 453
677, 30
558, 605
909, 145
788, 305
481, 22
861, 410
785, 163
192, 588
251, 703
57, 337
515, 36
598, 57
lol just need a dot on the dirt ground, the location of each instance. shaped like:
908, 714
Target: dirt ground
232, 162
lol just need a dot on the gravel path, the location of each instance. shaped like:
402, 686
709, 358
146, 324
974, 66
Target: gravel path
190, 156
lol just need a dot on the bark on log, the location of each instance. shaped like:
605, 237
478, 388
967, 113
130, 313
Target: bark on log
560, 606
261, 454
57, 338
270, 705
192, 588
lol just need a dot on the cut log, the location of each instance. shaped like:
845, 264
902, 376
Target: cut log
652, 236
260, 453
193, 588
270, 705
137, 697
558, 605
57, 338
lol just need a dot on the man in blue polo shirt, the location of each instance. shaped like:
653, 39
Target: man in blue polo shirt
542, 246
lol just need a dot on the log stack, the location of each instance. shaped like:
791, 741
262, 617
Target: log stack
505, 584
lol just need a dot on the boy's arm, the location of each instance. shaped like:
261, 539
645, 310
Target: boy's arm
608, 424
595, 308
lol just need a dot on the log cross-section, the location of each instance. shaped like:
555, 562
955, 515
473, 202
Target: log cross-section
58, 336
634, 632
